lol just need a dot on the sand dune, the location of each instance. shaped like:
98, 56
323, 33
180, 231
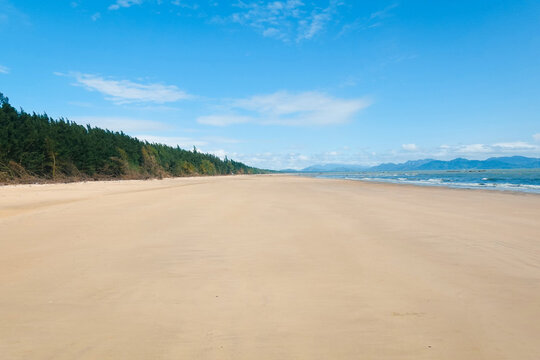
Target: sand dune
267, 267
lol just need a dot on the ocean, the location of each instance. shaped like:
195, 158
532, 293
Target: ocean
522, 180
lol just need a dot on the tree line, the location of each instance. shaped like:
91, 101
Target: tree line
35, 146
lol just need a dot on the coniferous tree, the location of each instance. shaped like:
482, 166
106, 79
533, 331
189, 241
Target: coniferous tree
37, 146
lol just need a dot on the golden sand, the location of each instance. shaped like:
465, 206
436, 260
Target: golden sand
267, 267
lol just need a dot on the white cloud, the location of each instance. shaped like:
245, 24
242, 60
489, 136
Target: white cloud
276, 161
384, 13
203, 143
219, 153
315, 23
409, 147
367, 157
374, 20
96, 16
124, 4
284, 20
184, 5
448, 152
4, 70
536, 137
183, 142
125, 91
121, 123
307, 108
481, 151
517, 145
274, 32
299, 160
284, 108
472, 148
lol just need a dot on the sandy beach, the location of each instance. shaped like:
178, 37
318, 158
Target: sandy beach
267, 267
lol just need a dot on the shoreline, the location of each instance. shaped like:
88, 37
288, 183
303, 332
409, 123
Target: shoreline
358, 181
516, 188
321, 176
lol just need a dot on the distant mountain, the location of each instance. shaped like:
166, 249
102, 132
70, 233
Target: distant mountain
334, 168
412, 164
513, 162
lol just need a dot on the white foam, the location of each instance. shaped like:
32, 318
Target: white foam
462, 185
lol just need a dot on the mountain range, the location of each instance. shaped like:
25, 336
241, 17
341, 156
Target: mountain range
510, 162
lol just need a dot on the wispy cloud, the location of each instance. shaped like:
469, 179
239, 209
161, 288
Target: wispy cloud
284, 20
299, 159
207, 142
468, 149
475, 151
121, 123
124, 4
374, 20
284, 108
316, 22
368, 157
516, 145
4, 70
185, 5
276, 161
220, 153
126, 91
183, 142
536, 137
384, 13
497, 148
409, 147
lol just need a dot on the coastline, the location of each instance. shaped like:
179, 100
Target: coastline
526, 182
268, 267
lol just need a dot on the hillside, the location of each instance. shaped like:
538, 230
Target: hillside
35, 147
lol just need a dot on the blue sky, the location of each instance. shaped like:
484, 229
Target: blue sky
285, 84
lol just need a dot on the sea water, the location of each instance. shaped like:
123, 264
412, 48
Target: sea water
526, 180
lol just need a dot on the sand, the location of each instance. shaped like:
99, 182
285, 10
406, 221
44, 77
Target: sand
267, 267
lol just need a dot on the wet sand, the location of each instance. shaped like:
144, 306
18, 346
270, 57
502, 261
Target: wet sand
267, 267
